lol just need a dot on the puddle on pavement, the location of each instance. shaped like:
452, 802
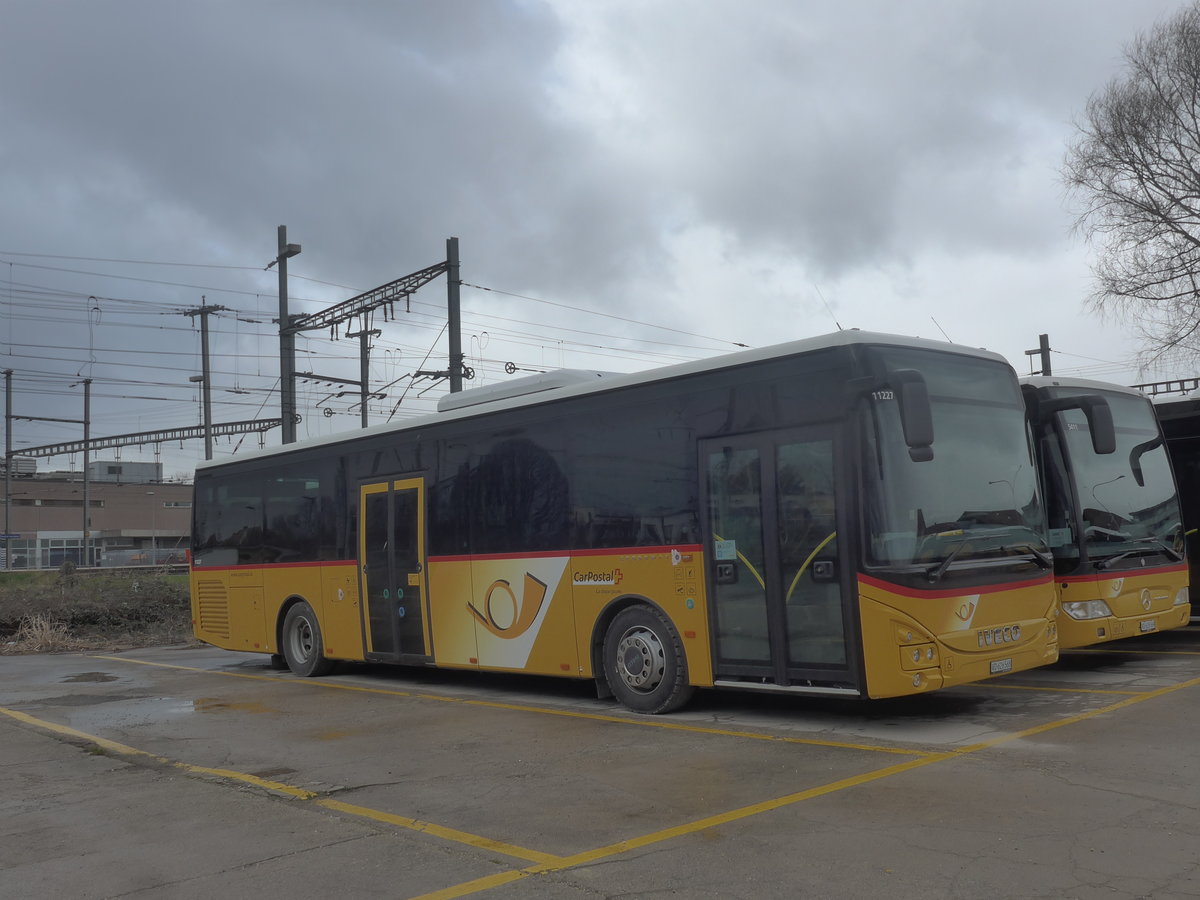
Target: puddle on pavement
216, 704
90, 676
86, 699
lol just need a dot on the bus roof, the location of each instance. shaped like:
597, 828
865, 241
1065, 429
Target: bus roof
1079, 384
594, 382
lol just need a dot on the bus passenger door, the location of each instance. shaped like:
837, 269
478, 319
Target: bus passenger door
391, 534
777, 576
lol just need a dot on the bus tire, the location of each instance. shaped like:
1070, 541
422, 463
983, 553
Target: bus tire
644, 662
302, 645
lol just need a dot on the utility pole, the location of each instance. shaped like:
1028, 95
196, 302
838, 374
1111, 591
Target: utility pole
287, 342
85, 445
8, 462
1043, 351
364, 358
87, 482
452, 315
205, 377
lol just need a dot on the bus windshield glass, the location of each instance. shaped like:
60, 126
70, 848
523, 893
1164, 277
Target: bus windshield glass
1128, 504
976, 504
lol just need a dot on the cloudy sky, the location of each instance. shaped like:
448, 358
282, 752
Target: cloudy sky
632, 182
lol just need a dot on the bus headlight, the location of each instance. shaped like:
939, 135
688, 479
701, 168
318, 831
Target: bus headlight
1181, 597
1086, 609
920, 656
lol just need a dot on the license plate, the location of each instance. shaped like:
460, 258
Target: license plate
1147, 625
999, 666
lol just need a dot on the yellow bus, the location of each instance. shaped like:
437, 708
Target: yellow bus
1116, 529
1180, 423
853, 515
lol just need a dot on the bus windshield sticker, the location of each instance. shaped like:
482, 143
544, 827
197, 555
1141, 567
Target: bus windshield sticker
725, 550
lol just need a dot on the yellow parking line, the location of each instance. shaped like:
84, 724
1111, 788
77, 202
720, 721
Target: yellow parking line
1114, 650
473, 887
1083, 716
544, 863
540, 710
1059, 690
439, 831
589, 856
126, 750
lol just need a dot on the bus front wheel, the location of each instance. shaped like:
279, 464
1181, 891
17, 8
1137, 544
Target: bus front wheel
644, 662
302, 645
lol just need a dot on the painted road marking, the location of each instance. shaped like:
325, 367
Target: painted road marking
482, 884
1058, 690
287, 790
540, 710
545, 863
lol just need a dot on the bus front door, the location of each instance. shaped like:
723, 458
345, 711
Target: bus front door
391, 535
776, 576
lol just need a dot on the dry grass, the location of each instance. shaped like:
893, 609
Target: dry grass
41, 634
49, 612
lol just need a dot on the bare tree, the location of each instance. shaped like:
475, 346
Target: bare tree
1134, 167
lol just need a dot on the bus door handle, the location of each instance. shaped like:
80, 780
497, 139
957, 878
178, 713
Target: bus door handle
824, 570
726, 573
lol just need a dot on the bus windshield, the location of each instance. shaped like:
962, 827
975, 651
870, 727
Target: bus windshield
1128, 504
976, 505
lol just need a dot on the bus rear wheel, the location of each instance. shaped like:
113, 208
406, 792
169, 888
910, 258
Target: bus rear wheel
302, 645
644, 661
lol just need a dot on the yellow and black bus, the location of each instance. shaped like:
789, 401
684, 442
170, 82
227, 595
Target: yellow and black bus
852, 515
1116, 528
1180, 423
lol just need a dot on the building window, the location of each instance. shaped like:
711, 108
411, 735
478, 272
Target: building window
51, 502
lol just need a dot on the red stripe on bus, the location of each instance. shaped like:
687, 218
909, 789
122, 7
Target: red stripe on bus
291, 565
956, 592
552, 554
548, 554
1125, 573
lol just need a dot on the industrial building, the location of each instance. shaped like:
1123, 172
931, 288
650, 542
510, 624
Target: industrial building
135, 518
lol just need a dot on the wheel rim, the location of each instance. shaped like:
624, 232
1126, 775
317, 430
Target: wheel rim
641, 659
302, 639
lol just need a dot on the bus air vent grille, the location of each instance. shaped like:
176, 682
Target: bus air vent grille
214, 608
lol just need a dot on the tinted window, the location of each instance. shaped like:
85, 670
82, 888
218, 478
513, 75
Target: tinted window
518, 497
228, 520
635, 478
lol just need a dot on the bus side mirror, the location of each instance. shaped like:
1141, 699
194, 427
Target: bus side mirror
916, 415
1095, 409
1135, 458
1100, 423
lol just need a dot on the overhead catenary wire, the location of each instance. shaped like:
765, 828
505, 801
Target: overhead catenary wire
724, 341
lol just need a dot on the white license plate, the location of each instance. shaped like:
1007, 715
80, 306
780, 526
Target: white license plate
999, 666
1147, 625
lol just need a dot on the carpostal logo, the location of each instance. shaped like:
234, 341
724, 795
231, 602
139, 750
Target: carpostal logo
612, 576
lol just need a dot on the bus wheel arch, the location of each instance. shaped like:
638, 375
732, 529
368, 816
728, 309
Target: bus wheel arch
639, 658
300, 641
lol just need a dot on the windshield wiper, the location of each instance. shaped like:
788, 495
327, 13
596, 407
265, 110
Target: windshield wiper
1167, 549
935, 572
1045, 559
1159, 547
